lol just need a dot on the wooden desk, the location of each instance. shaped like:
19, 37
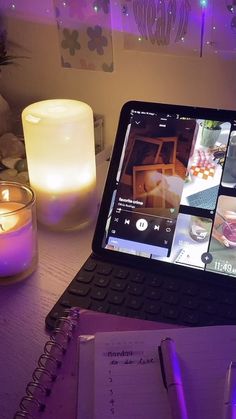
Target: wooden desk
24, 306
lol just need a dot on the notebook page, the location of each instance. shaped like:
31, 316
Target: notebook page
128, 383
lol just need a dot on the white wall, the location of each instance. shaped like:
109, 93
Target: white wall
209, 82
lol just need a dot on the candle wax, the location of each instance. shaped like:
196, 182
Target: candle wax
16, 239
65, 210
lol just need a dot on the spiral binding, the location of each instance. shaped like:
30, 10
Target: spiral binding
45, 373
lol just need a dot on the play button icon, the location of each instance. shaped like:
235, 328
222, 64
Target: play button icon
142, 224
206, 257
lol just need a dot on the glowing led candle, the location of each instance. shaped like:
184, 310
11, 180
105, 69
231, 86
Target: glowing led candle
18, 247
59, 140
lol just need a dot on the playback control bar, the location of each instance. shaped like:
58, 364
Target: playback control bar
142, 228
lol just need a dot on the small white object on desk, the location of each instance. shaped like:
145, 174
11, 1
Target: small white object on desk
18, 249
60, 149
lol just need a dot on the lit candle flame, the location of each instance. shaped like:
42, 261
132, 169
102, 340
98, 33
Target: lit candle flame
7, 222
6, 194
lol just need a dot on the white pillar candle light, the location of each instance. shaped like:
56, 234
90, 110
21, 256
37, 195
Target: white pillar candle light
18, 243
60, 150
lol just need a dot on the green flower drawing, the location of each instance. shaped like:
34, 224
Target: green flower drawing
97, 40
70, 41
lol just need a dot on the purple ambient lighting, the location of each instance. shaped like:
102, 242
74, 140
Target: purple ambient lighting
191, 26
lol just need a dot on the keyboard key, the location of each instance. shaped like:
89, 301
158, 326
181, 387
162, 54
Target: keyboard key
152, 307
228, 298
172, 285
154, 281
90, 265
85, 277
228, 312
101, 281
190, 289
98, 293
209, 294
134, 303
121, 273
154, 294
191, 317
137, 277
118, 285
190, 302
104, 269
80, 289
135, 289
209, 307
170, 312
170, 298
115, 298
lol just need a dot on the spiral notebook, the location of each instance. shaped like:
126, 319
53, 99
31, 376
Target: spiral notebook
79, 381
52, 391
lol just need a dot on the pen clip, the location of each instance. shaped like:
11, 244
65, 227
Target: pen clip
163, 374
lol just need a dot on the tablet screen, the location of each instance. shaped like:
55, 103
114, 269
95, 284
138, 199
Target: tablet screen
173, 198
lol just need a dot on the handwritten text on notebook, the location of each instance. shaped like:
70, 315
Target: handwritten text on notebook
128, 381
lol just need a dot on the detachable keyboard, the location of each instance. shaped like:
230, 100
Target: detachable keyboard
135, 293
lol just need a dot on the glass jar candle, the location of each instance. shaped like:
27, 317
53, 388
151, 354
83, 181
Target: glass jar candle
18, 232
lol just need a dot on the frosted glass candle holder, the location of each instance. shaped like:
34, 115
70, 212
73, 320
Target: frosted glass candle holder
60, 150
18, 240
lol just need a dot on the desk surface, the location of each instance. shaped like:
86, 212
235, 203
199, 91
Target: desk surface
24, 306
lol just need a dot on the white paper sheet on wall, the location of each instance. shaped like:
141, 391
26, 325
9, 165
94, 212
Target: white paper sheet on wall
181, 27
169, 26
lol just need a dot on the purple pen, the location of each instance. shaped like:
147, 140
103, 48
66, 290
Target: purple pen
230, 392
173, 379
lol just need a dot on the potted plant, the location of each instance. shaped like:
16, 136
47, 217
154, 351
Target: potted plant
5, 59
210, 133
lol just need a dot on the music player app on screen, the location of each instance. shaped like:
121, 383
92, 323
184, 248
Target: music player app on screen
175, 196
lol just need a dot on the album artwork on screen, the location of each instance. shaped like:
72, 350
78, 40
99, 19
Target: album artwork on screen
175, 193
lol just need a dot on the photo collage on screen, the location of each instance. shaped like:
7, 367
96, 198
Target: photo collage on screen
174, 180
194, 234
223, 239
